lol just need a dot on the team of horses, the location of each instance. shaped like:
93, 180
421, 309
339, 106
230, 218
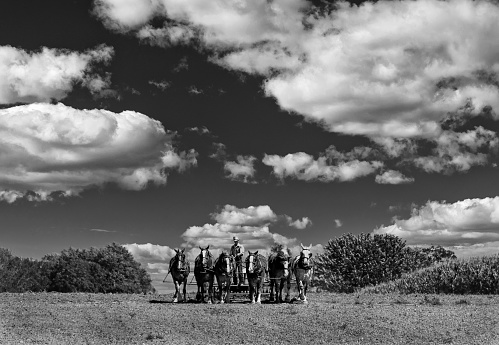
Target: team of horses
278, 267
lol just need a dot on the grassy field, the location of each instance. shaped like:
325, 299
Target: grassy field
53, 318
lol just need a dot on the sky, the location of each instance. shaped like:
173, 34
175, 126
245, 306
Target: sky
162, 124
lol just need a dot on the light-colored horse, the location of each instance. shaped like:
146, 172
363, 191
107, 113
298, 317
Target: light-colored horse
224, 267
256, 269
203, 271
179, 269
303, 269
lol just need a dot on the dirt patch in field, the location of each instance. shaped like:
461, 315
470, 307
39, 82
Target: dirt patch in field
53, 318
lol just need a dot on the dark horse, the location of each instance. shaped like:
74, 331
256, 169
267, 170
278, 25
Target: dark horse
203, 271
179, 269
278, 274
224, 267
256, 269
303, 269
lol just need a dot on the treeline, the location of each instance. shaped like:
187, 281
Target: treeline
351, 262
111, 269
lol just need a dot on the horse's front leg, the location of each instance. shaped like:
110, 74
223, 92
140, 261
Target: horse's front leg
258, 293
288, 288
271, 297
223, 292
251, 291
177, 290
305, 287
199, 295
184, 290
281, 287
210, 291
300, 289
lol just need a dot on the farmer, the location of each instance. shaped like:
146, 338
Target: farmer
237, 251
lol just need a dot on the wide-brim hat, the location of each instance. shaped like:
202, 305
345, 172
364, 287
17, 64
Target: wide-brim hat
235, 238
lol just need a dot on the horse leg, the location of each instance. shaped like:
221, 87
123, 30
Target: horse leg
272, 284
221, 288
281, 287
258, 293
199, 295
227, 295
184, 290
288, 288
300, 289
210, 291
252, 291
177, 290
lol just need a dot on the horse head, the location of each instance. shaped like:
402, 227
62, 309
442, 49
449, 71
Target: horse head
225, 262
283, 261
204, 258
305, 257
180, 259
253, 263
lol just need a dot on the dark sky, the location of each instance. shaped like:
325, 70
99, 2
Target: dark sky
159, 123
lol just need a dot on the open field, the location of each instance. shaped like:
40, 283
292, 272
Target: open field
54, 318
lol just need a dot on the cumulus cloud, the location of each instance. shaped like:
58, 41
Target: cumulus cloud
252, 215
251, 224
166, 36
150, 252
374, 69
459, 151
469, 224
392, 69
393, 177
243, 170
47, 148
27, 77
330, 166
299, 223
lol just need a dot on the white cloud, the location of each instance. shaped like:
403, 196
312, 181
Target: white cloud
47, 148
393, 177
252, 215
124, 15
330, 166
459, 151
463, 223
49, 74
338, 223
371, 69
250, 224
150, 252
299, 223
166, 36
242, 170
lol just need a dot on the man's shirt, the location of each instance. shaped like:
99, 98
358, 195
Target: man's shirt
237, 249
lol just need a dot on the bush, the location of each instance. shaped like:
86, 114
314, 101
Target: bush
470, 276
351, 262
110, 269
19, 275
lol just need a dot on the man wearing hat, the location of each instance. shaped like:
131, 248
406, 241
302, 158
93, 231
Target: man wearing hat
237, 251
